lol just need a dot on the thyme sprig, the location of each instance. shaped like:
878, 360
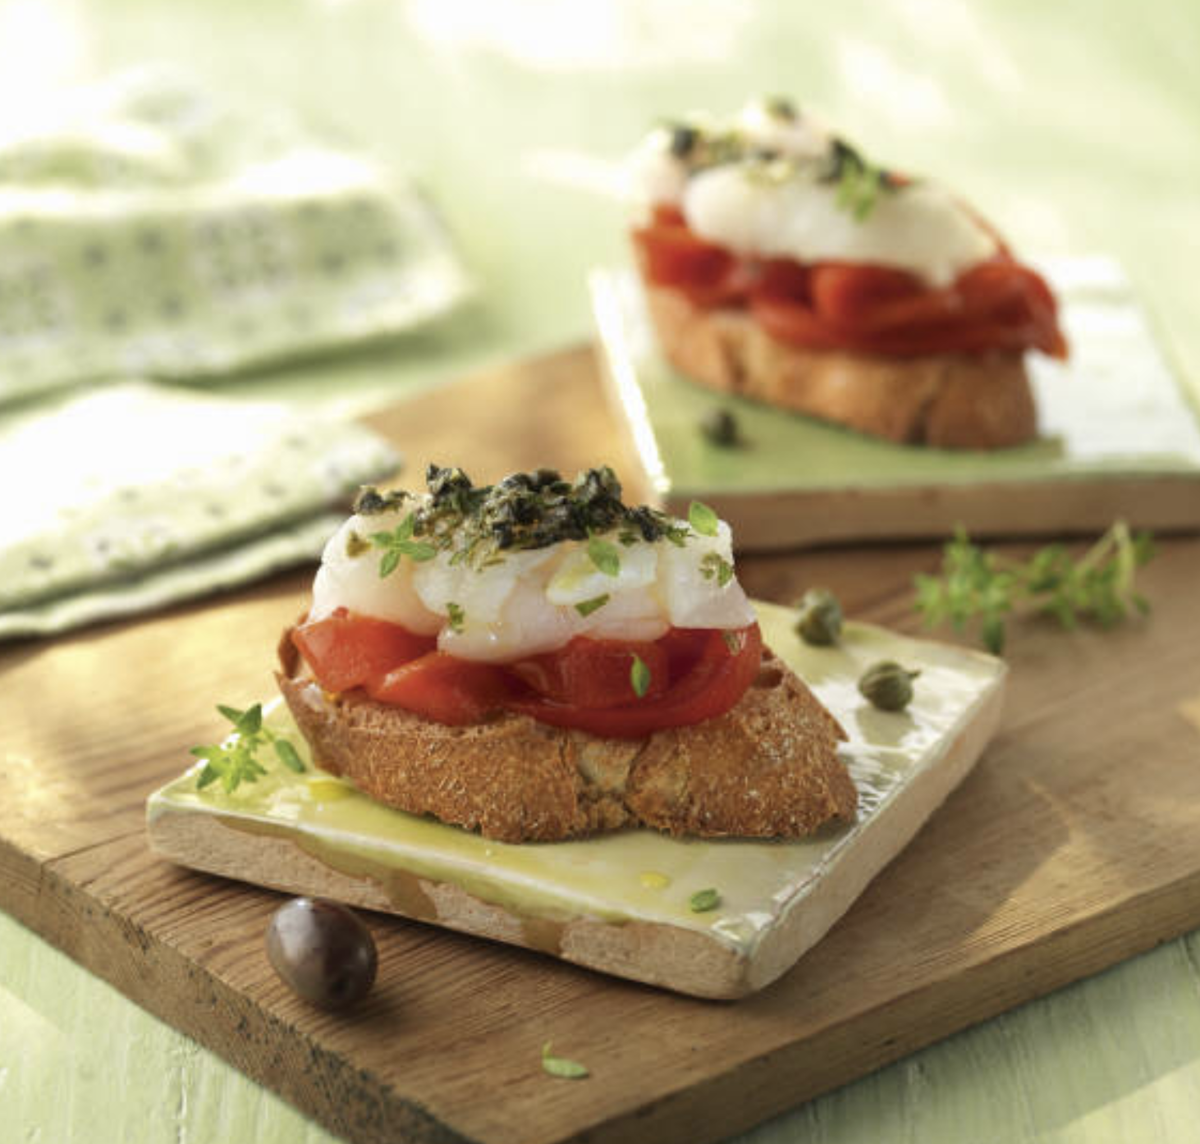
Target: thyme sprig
981, 587
235, 760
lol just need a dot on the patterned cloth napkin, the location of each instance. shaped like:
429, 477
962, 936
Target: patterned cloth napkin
148, 228
123, 498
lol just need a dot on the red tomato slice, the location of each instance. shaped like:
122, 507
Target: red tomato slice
346, 650
673, 256
866, 299
999, 304
444, 688
594, 673
714, 684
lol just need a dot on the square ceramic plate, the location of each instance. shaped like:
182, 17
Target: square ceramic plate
620, 902
1119, 437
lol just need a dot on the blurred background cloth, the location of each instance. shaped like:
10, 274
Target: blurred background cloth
148, 227
151, 230
127, 497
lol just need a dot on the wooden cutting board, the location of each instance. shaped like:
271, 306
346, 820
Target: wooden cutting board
1072, 845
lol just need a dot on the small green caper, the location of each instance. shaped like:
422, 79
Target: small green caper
888, 685
721, 428
820, 619
780, 107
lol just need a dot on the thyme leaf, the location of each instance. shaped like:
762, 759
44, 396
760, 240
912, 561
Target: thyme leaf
639, 676
704, 900
235, 760
982, 588
399, 543
604, 556
702, 519
562, 1066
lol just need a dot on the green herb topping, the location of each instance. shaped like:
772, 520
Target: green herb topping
859, 183
479, 524
639, 676
704, 900
456, 616
587, 607
562, 1066
983, 587
235, 761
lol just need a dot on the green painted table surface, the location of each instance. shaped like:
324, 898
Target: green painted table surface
1074, 124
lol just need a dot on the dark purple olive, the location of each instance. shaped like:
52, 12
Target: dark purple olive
323, 951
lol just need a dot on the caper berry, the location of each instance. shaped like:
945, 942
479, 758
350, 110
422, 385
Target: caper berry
888, 685
721, 428
323, 951
820, 619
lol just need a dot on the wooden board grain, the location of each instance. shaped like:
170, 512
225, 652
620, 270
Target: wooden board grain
1071, 846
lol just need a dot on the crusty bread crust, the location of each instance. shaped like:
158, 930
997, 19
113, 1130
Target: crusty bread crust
766, 769
953, 401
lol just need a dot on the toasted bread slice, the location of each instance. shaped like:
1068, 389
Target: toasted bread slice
954, 401
767, 768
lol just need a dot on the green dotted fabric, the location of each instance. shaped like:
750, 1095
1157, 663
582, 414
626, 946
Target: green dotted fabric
150, 229
126, 497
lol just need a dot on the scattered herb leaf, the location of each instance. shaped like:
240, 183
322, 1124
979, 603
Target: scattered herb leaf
587, 607
234, 761
984, 587
715, 566
562, 1066
704, 900
702, 519
639, 676
456, 616
604, 555
287, 755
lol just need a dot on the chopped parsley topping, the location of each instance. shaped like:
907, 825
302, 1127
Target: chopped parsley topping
587, 607
477, 525
456, 615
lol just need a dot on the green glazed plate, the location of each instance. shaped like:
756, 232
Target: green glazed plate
622, 902
1119, 437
